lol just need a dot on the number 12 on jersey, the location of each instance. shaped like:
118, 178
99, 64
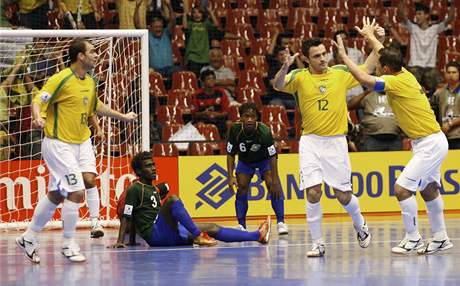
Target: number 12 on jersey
322, 104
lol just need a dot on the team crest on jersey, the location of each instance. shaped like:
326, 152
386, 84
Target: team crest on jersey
322, 89
255, 147
85, 100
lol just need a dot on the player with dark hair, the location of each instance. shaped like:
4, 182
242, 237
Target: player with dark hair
70, 101
169, 224
320, 93
253, 142
429, 144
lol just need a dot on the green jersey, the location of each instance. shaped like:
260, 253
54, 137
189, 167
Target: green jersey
251, 148
142, 203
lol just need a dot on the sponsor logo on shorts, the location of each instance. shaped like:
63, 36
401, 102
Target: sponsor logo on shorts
215, 191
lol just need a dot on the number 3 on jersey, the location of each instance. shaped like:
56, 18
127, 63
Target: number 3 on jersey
322, 104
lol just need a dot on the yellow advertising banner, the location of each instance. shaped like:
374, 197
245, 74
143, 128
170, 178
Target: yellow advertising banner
204, 190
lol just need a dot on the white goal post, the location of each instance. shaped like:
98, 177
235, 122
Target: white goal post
27, 59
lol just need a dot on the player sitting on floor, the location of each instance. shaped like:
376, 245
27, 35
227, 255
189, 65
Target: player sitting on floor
170, 224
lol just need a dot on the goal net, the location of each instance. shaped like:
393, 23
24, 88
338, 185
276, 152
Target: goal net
27, 59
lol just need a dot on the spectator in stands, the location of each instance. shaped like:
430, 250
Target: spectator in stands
6, 83
275, 62
160, 49
126, 10
225, 78
379, 128
424, 44
33, 13
198, 30
355, 54
209, 103
89, 14
448, 100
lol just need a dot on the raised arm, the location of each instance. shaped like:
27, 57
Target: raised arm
450, 15
185, 13
171, 15
402, 14
281, 74
361, 76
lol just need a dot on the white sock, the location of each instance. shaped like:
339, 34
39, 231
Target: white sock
43, 212
354, 211
92, 199
69, 218
409, 210
435, 212
314, 219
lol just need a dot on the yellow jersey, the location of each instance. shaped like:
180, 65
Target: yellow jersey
321, 99
68, 101
409, 104
27, 6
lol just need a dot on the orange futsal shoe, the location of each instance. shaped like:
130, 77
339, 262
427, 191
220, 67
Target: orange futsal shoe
204, 240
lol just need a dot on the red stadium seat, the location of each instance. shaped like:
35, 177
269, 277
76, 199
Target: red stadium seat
257, 63
184, 80
178, 37
231, 62
260, 47
209, 131
170, 130
245, 32
167, 114
249, 94
274, 114
157, 87
249, 4
252, 79
180, 99
305, 30
200, 149
165, 150
282, 6
233, 113
234, 48
299, 15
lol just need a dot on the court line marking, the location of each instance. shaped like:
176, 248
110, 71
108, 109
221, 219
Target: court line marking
190, 248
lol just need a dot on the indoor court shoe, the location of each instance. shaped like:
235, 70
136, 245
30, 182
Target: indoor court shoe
242, 228
282, 228
363, 235
433, 246
264, 231
407, 246
204, 240
30, 248
72, 252
97, 231
317, 250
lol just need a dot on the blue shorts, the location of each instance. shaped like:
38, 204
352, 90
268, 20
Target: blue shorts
163, 234
250, 168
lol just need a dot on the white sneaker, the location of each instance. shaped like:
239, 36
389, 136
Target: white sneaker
72, 252
363, 235
282, 228
317, 250
96, 230
407, 246
433, 246
30, 248
240, 227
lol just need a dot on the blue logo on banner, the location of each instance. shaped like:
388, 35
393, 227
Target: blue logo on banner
216, 191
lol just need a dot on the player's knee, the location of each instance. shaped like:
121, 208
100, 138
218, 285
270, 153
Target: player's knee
401, 193
242, 190
76, 197
314, 194
90, 181
343, 197
431, 192
55, 197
